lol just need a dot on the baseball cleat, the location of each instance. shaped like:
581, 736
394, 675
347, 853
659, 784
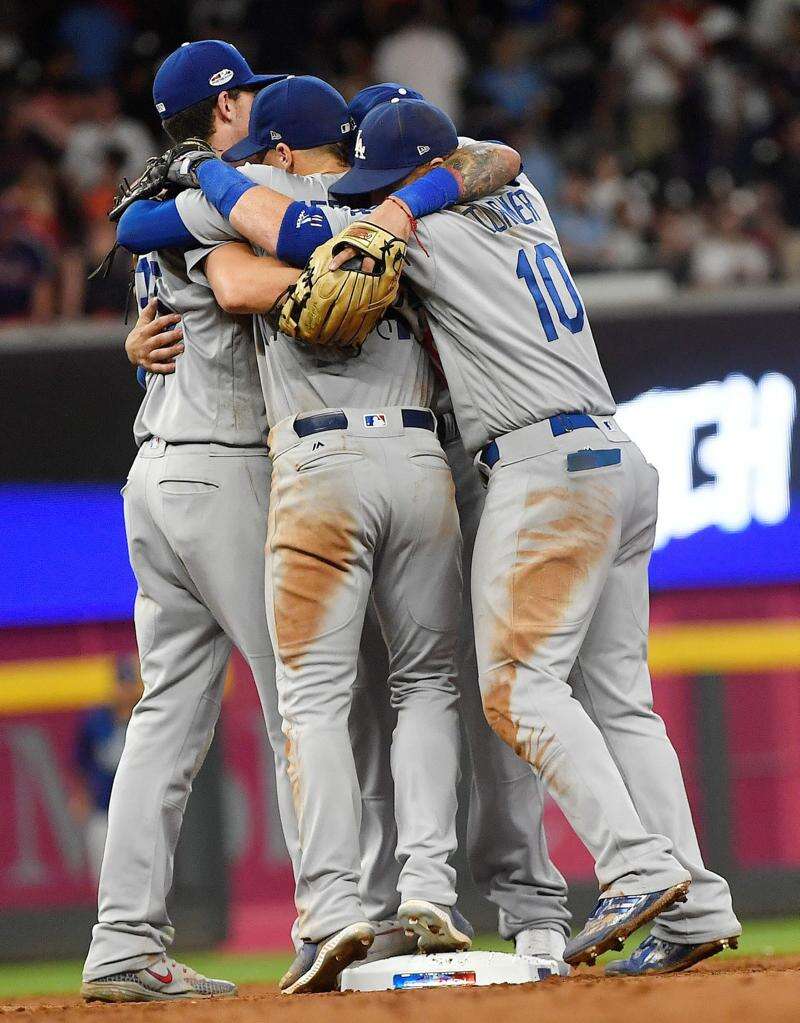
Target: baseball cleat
437, 928
391, 940
163, 980
318, 964
543, 943
657, 955
614, 919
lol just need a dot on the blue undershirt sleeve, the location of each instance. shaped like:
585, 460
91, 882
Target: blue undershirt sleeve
222, 185
149, 225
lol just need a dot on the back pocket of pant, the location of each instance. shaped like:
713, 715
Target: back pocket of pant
183, 487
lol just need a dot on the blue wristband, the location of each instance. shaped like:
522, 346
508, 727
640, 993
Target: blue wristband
435, 190
303, 228
222, 185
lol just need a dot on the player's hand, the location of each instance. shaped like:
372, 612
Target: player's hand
184, 161
391, 216
155, 341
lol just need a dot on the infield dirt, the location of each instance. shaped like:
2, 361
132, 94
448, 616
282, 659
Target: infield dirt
736, 991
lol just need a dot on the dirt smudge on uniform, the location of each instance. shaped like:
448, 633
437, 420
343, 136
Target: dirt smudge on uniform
555, 557
312, 547
293, 773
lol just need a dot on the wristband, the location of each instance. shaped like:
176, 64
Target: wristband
433, 191
222, 185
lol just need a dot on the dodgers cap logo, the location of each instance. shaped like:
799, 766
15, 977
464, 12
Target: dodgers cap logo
394, 139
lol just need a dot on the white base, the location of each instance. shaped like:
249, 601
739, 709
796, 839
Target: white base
450, 969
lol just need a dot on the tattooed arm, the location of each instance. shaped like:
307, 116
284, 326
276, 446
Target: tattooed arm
482, 167
477, 168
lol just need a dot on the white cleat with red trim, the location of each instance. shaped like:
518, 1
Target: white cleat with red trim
163, 980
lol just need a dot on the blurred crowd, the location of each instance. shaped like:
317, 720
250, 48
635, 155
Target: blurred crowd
663, 135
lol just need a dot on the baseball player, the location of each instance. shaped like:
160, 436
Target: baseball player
506, 845
508, 851
559, 580
195, 517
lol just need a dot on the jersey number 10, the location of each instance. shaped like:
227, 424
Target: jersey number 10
545, 255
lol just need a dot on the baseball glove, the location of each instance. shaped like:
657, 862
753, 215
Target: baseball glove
174, 167
340, 308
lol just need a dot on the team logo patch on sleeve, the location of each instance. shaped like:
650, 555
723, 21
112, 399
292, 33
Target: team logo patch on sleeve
375, 419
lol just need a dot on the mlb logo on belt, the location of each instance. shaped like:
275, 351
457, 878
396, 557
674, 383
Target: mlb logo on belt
375, 419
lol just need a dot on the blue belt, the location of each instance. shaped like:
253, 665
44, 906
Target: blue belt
563, 423
419, 419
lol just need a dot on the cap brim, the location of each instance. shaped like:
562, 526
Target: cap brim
247, 147
261, 80
360, 180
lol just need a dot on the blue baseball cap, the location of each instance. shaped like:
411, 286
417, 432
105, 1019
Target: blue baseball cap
196, 71
371, 97
301, 111
394, 139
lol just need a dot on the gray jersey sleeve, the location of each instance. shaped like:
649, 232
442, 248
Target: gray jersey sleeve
208, 225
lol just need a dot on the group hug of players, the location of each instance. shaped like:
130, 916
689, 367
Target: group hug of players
448, 530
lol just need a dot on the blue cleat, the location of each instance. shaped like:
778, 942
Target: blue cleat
437, 928
614, 919
318, 964
656, 955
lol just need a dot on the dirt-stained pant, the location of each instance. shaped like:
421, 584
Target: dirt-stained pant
195, 517
367, 508
560, 597
506, 845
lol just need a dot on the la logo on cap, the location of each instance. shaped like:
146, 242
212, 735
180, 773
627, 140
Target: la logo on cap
360, 151
221, 77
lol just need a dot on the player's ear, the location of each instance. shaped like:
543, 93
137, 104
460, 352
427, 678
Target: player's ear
437, 161
225, 108
285, 156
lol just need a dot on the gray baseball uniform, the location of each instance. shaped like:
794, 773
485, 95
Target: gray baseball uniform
364, 505
195, 514
506, 844
559, 582
507, 849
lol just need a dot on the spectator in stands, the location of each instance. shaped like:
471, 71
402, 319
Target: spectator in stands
511, 83
584, 232
655, 54
97, 34
787, 171
27, 275
570, 66
726, 255
99, 745
102, 127
426, 55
